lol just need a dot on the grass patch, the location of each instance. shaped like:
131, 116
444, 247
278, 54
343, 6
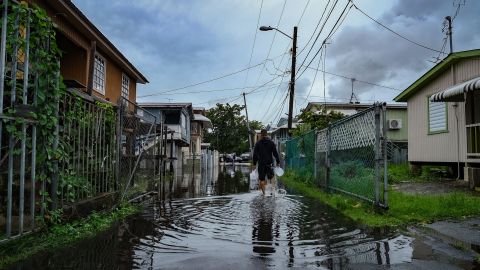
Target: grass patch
404, 208
402, 173
61, 235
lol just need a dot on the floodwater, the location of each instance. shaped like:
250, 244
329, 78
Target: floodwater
231, 228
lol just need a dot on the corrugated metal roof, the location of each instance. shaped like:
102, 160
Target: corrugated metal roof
456, 92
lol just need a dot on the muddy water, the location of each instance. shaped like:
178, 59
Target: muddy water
243, 230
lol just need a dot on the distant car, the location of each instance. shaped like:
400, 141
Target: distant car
228, 158
238, 159
245, 156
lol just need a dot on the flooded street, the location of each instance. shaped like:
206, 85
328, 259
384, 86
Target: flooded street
237, 229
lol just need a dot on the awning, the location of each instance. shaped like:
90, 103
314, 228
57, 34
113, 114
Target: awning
455, 93
201, 118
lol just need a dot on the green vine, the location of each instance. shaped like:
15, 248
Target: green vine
50, 105
44, 82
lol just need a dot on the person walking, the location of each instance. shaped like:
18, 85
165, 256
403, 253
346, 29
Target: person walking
263, 154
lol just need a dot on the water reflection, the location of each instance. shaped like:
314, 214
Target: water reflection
263, 210
242, 230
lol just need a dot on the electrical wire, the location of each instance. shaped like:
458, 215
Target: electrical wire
208, 81
321, 29
270, 49
217, 90
314, 78
315, 30
254, 40
394, 32
357, 80
339, 20
303, 13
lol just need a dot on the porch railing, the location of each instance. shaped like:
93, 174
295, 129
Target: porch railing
473, 141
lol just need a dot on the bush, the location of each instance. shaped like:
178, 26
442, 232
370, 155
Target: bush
399, 173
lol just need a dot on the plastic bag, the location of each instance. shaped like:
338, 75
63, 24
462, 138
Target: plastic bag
254, 175
254, 179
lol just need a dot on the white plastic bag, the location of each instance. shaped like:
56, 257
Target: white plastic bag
254, 179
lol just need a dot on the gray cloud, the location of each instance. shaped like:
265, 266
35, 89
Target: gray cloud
373, 54
176, 43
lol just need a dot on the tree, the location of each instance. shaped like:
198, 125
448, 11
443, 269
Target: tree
315, 120
229, 133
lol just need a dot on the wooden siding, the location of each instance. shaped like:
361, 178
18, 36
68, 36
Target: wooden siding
73, 64
76, 60
441, 147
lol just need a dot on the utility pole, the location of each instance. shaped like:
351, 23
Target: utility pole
292, 79
248, 124
449, 19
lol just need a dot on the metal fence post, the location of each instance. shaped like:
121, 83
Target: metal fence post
2, 63
315, 156
385, 157
11, 139
55, 172
328, 142
24, 127
377, 153
118, 151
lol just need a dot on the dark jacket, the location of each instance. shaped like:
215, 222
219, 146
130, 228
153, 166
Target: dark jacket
263, 151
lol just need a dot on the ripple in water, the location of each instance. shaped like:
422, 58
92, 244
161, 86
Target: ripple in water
249, 231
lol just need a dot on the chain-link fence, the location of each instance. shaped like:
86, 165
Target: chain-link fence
349, 156
140, 144
300, 155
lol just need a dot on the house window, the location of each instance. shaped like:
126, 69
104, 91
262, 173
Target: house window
125, 86
437, 117
99, 74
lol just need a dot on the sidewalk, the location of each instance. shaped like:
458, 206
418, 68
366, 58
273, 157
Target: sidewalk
463, 234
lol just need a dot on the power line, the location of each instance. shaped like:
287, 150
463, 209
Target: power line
200, 83
270, 49
207, 81
217, 90
339, 20
357, 80
268, 115
314, 78
281, 109
235, 97
392, 31
276, 92
303, 12
321, 29
254, 40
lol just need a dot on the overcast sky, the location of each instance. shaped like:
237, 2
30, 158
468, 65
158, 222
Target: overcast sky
176, 43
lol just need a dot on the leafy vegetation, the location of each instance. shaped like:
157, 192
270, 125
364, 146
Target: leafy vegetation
61, 235
230, 133
404, 208
402, 173
315, 120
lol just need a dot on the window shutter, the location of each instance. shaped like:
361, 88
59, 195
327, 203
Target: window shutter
437, 116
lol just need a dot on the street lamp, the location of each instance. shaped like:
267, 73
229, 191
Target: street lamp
292, 72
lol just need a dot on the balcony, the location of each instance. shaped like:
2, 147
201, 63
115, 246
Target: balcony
180, 133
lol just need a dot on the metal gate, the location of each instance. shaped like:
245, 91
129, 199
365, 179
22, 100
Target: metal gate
139, 140
350, 156
19, 141
356, 157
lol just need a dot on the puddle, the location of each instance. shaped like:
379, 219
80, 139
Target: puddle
236, 229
